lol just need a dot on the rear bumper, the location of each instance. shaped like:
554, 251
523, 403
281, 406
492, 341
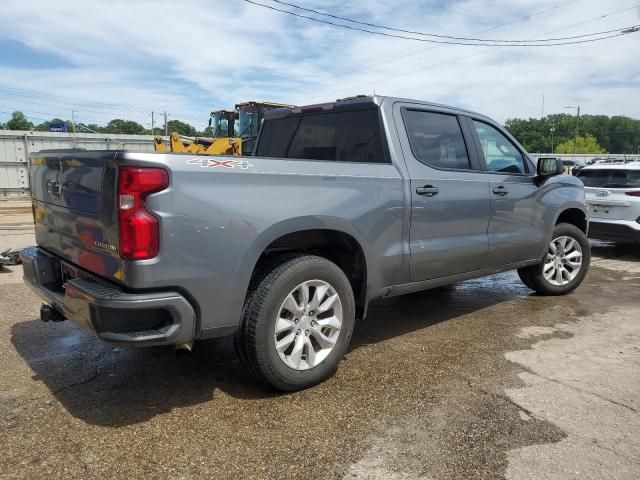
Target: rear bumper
115, 316
615, 230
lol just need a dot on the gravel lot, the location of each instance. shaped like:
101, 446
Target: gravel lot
479, 380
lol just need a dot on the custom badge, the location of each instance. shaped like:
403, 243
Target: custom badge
212, 163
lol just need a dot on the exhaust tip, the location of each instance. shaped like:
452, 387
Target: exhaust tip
184, 348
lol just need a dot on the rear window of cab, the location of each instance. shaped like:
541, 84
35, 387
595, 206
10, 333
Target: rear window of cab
341, 136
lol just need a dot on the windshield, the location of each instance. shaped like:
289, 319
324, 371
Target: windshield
220, 125
249, 121
610, 178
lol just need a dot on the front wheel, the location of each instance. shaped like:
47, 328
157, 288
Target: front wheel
565, 265
297, 322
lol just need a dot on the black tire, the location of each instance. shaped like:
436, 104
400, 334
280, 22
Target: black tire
533, 276
255, 341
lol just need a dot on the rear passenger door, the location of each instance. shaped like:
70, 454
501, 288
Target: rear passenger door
449, 200
516, 227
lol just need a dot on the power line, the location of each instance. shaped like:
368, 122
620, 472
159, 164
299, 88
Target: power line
27, 111
60, 99
85, 105
621, 31
34, 97
25, 116
429, 67
422, 50
435, 35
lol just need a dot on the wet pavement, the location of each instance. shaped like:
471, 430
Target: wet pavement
479, 380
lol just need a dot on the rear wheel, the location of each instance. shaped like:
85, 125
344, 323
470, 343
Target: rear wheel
297, 322
565, 265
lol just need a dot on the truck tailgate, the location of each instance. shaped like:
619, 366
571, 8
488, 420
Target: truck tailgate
74, 208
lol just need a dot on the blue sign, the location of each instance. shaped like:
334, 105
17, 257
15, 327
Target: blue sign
58, 127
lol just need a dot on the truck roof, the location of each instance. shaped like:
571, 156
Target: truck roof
359, 100
633, 165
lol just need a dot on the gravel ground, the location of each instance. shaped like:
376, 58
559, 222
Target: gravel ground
479, 380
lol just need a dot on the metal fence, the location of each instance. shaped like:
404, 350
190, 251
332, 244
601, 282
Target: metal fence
16, 145
584, 157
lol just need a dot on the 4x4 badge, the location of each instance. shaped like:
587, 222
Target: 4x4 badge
211, 163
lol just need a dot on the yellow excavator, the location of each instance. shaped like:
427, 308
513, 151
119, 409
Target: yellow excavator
234, 131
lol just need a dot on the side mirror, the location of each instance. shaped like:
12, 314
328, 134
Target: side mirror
209, 121
549, 167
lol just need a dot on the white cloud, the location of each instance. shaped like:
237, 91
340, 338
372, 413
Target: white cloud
196, 55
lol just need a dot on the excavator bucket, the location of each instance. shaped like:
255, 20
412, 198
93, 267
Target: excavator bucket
159, 145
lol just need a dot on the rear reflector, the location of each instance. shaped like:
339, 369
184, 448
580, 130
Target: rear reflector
139, 229
633, 194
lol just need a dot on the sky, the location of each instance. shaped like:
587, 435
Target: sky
125, 59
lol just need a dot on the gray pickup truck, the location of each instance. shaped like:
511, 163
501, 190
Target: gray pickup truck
342, 203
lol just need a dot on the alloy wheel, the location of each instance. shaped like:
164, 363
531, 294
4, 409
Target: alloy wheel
563, 261
308, 324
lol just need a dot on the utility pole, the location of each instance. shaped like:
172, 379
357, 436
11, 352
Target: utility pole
553, 129
152, 132
542, 113
166, 127
575, 139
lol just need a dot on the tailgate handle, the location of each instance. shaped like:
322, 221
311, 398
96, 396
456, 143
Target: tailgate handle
54, 188
427, 190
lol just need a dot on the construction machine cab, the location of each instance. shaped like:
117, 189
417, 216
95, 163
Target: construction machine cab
224, 123
250, 115
233, 132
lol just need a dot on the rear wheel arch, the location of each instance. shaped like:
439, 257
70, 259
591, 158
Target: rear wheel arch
338, 246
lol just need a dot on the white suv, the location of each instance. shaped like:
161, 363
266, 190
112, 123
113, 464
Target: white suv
613, 194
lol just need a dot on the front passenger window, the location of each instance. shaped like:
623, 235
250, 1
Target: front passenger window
500, 155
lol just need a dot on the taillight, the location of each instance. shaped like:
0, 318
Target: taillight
139, 230
633, 194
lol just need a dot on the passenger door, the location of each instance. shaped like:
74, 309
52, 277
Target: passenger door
516, 227
449, 200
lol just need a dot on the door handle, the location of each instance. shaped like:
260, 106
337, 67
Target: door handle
500, 190
427, 190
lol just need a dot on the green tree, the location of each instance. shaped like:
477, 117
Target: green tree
584, 144
207, 132
181, 127
96, 128
118, 125
19, 122
614, 134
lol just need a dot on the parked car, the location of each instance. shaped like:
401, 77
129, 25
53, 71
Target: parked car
343, 203
613, 195
572, 166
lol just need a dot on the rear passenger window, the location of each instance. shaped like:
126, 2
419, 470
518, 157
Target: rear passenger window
275, 137
350, 136
436, 139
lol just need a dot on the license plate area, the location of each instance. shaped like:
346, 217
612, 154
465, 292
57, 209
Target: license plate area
599, 208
